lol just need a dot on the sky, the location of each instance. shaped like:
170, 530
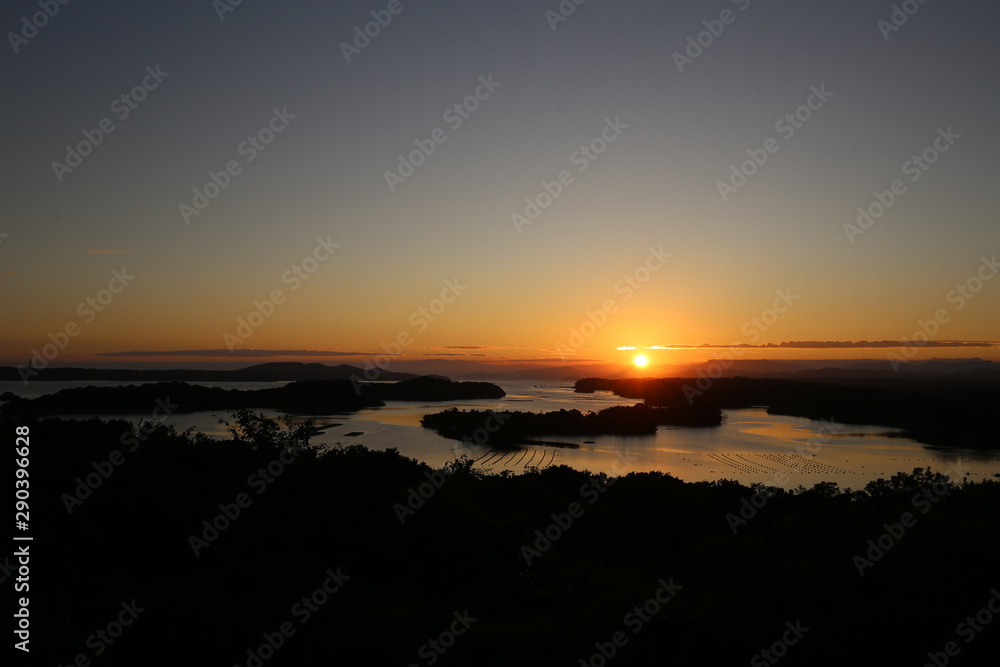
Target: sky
199, 182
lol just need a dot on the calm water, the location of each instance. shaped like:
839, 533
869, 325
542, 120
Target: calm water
751, 446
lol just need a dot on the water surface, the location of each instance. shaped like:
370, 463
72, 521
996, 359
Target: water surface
751, 446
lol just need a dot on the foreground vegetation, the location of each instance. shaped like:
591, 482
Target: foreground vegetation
420, 546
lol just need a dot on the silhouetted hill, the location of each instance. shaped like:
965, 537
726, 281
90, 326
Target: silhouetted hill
514, 427
430, 388
859, 369
551, 565
279, 371
303, 397
290, 370
309, 396
953, 415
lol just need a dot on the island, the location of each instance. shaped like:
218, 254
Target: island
511, 429
277, 371
310, 397
942, 412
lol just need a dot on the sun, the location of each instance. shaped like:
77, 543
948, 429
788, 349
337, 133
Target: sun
640, 360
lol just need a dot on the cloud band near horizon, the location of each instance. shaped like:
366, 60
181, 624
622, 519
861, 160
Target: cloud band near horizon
824, 345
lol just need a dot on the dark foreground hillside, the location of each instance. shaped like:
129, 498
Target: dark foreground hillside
336, 559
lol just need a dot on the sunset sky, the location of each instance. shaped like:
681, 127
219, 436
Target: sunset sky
649, 240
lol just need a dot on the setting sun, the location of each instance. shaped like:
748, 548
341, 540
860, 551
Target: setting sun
641, 360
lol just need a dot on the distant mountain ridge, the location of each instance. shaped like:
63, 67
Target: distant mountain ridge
279, 371
971, 369
929, 369
316, 397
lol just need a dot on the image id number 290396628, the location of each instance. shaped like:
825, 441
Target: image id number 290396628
21, 518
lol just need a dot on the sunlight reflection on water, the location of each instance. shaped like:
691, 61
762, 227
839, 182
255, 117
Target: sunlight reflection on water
751, 446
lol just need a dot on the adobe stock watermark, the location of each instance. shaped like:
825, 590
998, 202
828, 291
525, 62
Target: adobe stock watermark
779, 648
418, 496
562, 12
915, 168
88, 310
581, 158
697, 44
924, 499
591, 491
432, 651
223, 7
122, 106
23, 614
968, 629
958, 298
626, 288
302, 611
749, 507
86, 486
481, 435
248, 149
899, 17
30, 25
7, 569
635, 620
363, 35
454, 116
752, 329
295, 276
420, 319
787, 126
259, 481
103, 638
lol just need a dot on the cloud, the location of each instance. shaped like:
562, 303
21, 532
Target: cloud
828, 345
113, 251
478, 347
452, 354
487, 359
236, 353
552, 360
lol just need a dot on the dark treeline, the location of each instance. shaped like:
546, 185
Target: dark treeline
946, 415
420, 546
515, 426
278, 371
306, 397
430, 388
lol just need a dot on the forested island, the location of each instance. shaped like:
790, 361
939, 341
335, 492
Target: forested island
316, 397
510, 428
275, 371
943, 413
